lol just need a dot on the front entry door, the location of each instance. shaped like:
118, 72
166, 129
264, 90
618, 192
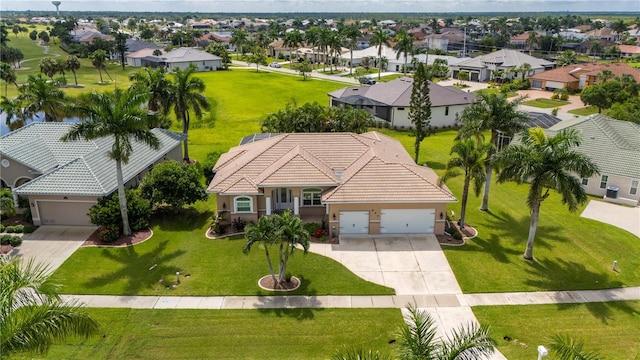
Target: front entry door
283, 199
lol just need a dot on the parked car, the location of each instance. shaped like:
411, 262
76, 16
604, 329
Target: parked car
275, 64
366, 80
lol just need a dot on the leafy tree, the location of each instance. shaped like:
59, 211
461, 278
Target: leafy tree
258, 57
627, 111
173, 184
49, 67
6, 203
32, 315
38, 94
44, 36
379, 38
597, 96
313, 117
463, 76
284, 230
219, 49
121, 47
208, 164
304, 68
567, 57
72, 63
238, 38
121, 116
146, 33
186, 95
567, 348
106, 213
404, 45
420, 107
11, 55
33, 35
8, 75
605, 75
99, 60
471, 156
547, 163
496, 114
440, 68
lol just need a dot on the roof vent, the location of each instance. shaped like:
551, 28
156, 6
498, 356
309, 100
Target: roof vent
338, 173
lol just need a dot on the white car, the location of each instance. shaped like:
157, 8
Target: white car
275, 64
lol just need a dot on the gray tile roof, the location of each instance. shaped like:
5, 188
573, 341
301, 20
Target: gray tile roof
86, 169
398, 93
184, 54
506, 58
613, 145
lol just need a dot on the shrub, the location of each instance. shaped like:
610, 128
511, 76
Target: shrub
208, 164
15, 240
239, 224
26, 215
318, 233
5, 239
554, 112
106, 213
173, 184
311, 227
108, 234
28, 229
456, 234
1, 228
14, 229
218, 223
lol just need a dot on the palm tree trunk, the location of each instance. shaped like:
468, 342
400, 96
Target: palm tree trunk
380, 62
487, 187
126, 230
282, 266
533, 226
185, 130
75, 78
100, 72
465, 196
273, 274
351, 63
105, 71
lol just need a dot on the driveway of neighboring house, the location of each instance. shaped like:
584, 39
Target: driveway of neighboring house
53, 245
624, 217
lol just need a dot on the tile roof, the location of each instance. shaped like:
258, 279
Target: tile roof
368, 167
613, 145
571, 73
398, 93
506, 58
187, 54
77, 167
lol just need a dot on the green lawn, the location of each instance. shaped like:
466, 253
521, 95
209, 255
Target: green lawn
589, 110
545, 103
232, 334
612, 328
495, 90
216, 267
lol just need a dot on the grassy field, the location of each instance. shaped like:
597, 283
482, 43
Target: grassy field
232, 334
589, 110
545, 103
611, 328
495, 90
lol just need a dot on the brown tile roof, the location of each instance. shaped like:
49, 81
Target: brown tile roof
571, 73
369, 167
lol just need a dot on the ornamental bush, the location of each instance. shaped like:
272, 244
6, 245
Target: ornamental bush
106, 213
173, 184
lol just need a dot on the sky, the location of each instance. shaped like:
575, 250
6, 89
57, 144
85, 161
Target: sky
334, 6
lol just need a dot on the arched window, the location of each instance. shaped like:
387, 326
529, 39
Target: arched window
311, 197
243, 204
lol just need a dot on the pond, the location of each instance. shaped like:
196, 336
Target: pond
4, 129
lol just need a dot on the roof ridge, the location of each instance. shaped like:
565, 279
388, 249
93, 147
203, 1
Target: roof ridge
412, 169
612, 133
90, 170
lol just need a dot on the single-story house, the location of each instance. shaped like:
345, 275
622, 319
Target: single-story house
182, 58
578, 76
351, 183
62, 180
629, 50
480, 68
613, 145
390, 102
134, 59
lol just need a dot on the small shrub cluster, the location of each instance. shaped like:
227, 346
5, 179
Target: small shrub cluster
218, 223
108, 234
239, 224
14, 229
106, 213
12, 240
453, 231
517, 84
560, 94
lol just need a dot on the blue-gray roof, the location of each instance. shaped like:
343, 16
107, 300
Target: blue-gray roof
80, 168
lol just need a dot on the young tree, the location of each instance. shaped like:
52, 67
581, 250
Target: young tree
304, 68
471, 156
597, 96
121, 47
258, 56
404, 45
99, 60
32, 315
284, 230
72, 64
120, 115
8, 75
173, 184
379, 38
547, 163
496, 114
420, 107
463, 76
186, 95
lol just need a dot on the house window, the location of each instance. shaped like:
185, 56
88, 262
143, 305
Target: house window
311, 197
446, 111
243, 204
585, 181
634, 187
603, 181
400, 109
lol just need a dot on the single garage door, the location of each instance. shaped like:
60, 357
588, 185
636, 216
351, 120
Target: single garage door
64, 212
407, 221
354, 222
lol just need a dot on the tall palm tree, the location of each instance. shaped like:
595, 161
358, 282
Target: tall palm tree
8, 75
186, 96
325, 38
38, 94
293, 40
335, 48
380, 38
32, 315
547, 163
99, 60
496, 114
238, 38
73, 64
404, 45
524, 69
351, 33
311, 37
471, 156
121, 116
157, 84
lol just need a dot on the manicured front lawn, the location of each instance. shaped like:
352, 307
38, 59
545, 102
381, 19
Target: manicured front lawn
495, 90
611, 328
232, 334
589, 110
545, 103
216, 267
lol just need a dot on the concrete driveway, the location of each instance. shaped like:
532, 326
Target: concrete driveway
624, 217
53, 245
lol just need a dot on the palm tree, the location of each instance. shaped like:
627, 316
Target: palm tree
311, 37
73, 64
38, 94
156, 83
404, 46
32, 315
567, 57
238, 38
379, 38
325, 38
186, 95
547, 163
567, 348
6, 203
99, 60
8, 75
532, 39
496, 114
471, 156
351, 33
292, 40
14, 113
121, 116
524, 69
284, 230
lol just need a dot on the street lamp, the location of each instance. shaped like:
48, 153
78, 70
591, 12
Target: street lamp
542, 352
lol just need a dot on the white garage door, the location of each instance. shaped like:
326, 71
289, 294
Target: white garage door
64, 212
354, 222
407, 221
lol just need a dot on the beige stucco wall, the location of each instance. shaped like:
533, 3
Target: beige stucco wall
622, 183
15, 173
440, 117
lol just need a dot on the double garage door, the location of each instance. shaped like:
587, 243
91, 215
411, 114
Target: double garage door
392, 221
64, 212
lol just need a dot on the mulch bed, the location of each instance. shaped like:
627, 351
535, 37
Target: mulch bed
14, 220
135, 238
267, 282
5, 249
468, 232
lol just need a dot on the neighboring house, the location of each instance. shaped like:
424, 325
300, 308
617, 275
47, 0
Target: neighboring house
394, 63
480, 68
351, 183
578, 76
604, 33
629, 50
223, 38
586, 47
62, 180
614, 146
87, 34
137, 45
182, 58
135, 59
389, 102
